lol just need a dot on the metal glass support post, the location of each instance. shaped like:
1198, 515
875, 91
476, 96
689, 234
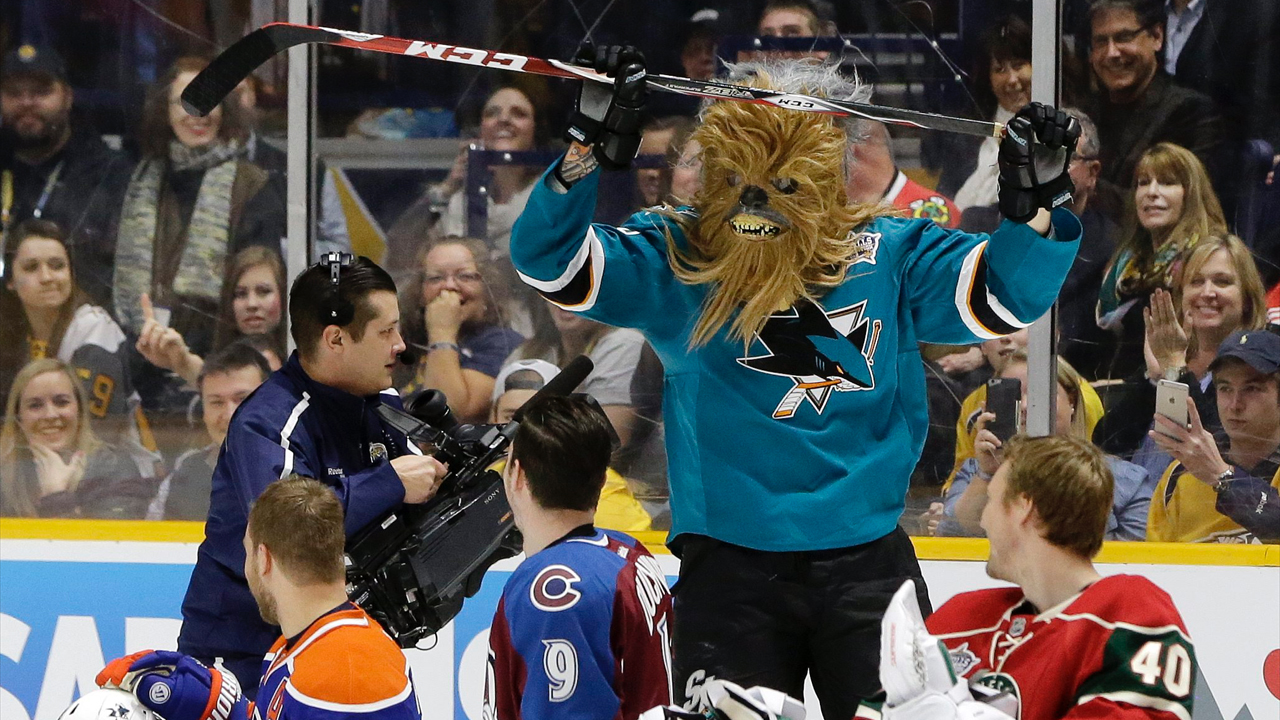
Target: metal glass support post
300, 193
1042, 349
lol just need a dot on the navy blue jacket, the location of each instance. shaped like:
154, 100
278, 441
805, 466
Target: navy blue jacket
291, 424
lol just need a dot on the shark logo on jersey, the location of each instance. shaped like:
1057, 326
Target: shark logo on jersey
821, 352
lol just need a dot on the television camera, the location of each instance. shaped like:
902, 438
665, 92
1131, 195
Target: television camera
412, 568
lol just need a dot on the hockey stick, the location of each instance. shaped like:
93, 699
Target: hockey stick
235, 63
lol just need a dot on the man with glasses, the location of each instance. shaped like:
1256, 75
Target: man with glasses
1140, 104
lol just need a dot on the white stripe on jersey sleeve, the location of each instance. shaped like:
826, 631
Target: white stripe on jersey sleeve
592, 249
288, 430
1140, 700
372, 707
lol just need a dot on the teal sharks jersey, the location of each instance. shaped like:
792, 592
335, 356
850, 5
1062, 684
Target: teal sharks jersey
806, 440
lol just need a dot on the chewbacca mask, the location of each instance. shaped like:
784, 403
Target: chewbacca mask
774, 220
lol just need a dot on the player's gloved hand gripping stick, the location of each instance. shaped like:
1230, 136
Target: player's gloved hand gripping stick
608, 118
1034, 155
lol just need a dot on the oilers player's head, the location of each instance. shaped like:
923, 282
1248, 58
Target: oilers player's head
1052, 492
348, 332
293, 547
556, 468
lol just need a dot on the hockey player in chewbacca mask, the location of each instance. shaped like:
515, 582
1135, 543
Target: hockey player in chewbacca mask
787, 322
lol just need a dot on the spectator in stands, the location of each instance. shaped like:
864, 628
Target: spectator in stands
226, 379
1080, 339
251, 304
1174, 207
1006, 87
660, 136
1227, 492
1228, 51
874, 177
686, 173
1217, 292
519, 381
265, 348
560, 335
253, 299
47, 315
331, 221
1140, 105
698, 60
53, 168
643, 459
191, 205
698, 52
52, 464
794, 18
967, 495
453, 317
513, 119
1000, 353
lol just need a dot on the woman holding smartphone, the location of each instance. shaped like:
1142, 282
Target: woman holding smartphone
1217, 292
967, 495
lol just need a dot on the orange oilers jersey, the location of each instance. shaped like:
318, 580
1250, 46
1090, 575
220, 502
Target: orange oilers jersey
1118, 649
342, 666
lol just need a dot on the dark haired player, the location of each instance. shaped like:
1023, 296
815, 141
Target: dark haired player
583, 627
316, 416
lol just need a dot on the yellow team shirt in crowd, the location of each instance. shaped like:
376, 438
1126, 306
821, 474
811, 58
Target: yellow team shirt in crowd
972, 407
1187, 511
618, 508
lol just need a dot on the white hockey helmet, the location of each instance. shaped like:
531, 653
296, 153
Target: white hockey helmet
108, 704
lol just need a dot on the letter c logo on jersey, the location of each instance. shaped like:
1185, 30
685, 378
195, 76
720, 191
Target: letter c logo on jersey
553, 589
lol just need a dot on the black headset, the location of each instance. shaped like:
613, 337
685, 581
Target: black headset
333, 309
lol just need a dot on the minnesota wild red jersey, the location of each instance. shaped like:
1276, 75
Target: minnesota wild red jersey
1118, 649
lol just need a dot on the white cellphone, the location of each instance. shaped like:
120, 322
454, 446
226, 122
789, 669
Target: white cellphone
1171, 401
162, 315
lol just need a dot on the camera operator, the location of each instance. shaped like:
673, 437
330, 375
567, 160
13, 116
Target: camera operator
584, 623
316, 416
331, 662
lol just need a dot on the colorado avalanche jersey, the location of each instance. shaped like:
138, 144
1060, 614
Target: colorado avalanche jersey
1118, 649
342, 667
582, 633
827, 407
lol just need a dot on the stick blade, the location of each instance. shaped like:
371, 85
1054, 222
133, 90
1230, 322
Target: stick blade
233, 65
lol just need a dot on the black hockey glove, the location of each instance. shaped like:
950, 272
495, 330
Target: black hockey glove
1034, 156
608, 119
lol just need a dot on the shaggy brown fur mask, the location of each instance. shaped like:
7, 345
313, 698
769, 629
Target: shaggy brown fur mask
774, 220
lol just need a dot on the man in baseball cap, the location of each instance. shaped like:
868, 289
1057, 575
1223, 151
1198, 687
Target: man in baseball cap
33, 60
1226, 489
55, 170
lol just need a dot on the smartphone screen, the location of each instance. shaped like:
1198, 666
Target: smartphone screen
1004, 395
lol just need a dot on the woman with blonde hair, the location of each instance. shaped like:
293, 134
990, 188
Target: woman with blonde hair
1217, 291
51, 463
451, 317
967, 495
1174, 207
